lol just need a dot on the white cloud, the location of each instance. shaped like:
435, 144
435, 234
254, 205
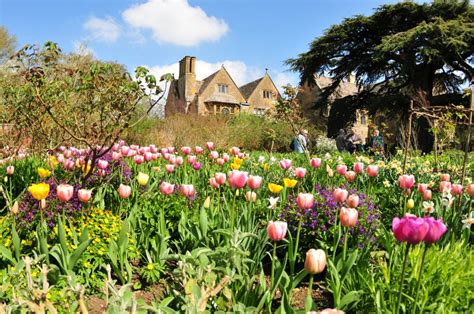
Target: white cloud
284, 78
176, 22
82, 49
106, 30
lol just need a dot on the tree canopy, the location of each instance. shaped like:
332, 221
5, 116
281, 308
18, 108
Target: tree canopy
421, 52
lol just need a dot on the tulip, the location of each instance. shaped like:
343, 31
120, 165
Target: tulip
235, 151
142, 178
15, 208
445, 177
170, 149
191, 159
43, 173
329, 171
277, 230
251, 196
148, 156
422, 187
359, 167
410, 203
213, 182
166, 156
406, 181
436, 230
254, 182
84, 195
197, 165
220, 161
60, 158
305, 200
124, 191
164, 151
315, 162
187, 190
410, 229
102, 164
124, 150
340, 195
353, 201
186, 150
350, 176
179, 160
470, 189
444, 185
213, 154
289, 183
348, 216
372, 170
275, 188
134, 147
10, 170
138, 159
220, 177
131, 153
237, 179
226, 157
341, 169
300, 172
39, 191
210, 145
198, 150
427, 195
315, 261
116, 156
69, 164
64, 192
456, 189
285, 164
153, 149
166, 188
169, 168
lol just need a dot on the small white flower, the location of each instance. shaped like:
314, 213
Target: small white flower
273, 159
273, 202
386, 183
428, 207
468, 221
261, 159
327, 156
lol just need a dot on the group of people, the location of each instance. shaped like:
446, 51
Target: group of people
351, 142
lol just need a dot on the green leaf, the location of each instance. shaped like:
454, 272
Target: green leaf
203, 223
62, 235
6, 253
350, 298
77, 253
16, 242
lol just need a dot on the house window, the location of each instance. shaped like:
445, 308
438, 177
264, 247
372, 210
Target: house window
259, 111
223, 88
267, 94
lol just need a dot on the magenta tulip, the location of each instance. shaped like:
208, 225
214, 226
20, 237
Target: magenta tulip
315, 162
285, 164
340, 195
187, 190
124, 191
65, 192
348, 216
410, 229
352, 201
254, 182
305, 200
300, 172
84, 195
359, 167
166, 188
350, 176
277, 230
436, 230
372, 170
341, 169
406, 181
197, 165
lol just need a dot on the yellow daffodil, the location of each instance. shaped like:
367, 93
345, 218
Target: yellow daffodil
43, 173
142, 178
274, 188
39, 191
234, 166
237, 160
289, 183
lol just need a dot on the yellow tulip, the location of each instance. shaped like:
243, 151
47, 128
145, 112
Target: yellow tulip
43, 173
266, 167
39, 191
237, 160
274, 188
289, 183
410, 203
234, 166
142, 178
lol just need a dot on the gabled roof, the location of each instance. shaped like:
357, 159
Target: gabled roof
248, 88
222, 98
205, 82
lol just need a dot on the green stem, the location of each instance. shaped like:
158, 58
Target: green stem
231, 214
272, 278
309, 296
401, 279
345, 244
292, 262
417, 289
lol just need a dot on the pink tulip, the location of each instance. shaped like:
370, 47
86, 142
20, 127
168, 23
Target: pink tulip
315, 261
131, 153
410, 229
170, 149
69, 164
60, 158
213, 154
179, 160
198, 150
10, 170
166, 188
138, 159
166, 156
353, 201
251, 196
124, 150
444, 185
220, 161
254, 182
68, 153
422, 187
359, 167
65, 192
372, 170
210, 145
300, 172
350, 176
172, 159
116, 156
187, 190
115, 147
341, 169
156, 156
427, 195
121, 142
237, 179
148, 156
305, 201
197, 165
124, 191
406, 181
102, 164
164, 151
191, 159
213, 182
470, 189
348, 216
84, 195
134, 147
277, 230
169, 168
315, 162
456, 189
445, 177
235, 150
153, 149
226, 157
436, 230
220, 177
340, 195
285, 164
142, 150
186, 150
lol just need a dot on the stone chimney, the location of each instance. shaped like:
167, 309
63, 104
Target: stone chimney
187, 78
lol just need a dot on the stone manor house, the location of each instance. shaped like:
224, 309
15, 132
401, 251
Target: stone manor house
218, 93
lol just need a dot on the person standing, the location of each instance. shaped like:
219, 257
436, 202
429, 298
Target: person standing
300, 142
377, 145
341, 140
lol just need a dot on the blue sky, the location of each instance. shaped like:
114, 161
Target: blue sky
246, 36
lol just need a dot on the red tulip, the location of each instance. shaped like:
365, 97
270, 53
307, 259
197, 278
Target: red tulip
305, 200
187, 190
65, 192
220, 177
445, 177
166, 188
340, 195
456, 189
372, 170
213, 183
254, 182
359, 167
353, 201
238, 179
285, 164
427, 195
348, 216
277, 230
300, 172
422, 187
444, 185
410, 229
124, 191
10, 170
406, 181
350, 176
341, 169
470, 189
315, 162
210, 145
315, 261
84, 195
